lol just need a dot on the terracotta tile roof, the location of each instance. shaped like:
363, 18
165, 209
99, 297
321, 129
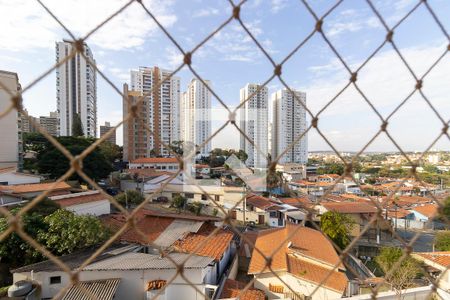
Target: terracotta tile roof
259, 202
306, 241
297, 202
215, 246
151, 227
78, 198
233, 289
399, 214
155, 160
200, 166
32, 188
441, 258
428, 210
350, 207
316, 273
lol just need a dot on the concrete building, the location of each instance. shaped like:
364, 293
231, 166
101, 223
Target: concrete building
195, 115
289, 122
104, 129
254, 123
135, 136
76, 85
11, 149
161, 107
50, 123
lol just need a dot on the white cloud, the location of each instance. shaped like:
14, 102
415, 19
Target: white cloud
206, 12
30, 27
278, 5
386, 82
351, 20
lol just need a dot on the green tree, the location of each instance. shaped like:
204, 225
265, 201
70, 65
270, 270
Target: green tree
242, 155
13, 249
195, 207
131, 197
177, 147
45, 207
52, 162
110, 151
77, 126
331, 168
68, 232
178, 201
337, 227
402, 277
442, 241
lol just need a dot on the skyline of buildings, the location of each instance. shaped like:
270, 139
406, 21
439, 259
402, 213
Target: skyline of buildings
76, 90
171, 115
48, 123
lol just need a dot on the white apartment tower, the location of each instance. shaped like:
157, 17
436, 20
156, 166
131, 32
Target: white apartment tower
289, 122
161, 104
76, 90
196, 115
10, 127
254, 123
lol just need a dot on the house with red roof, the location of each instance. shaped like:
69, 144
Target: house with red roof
181, 233
304, 260
84, 203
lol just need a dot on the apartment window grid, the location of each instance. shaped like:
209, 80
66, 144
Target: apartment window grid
235, 17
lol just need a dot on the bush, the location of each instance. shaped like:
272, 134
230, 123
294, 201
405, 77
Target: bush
131, 196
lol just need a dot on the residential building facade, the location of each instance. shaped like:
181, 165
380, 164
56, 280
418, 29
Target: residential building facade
11, 149
50, 123
196, 115
289, 123
254, 123
136, 138
161, 104
104, 129
76, 86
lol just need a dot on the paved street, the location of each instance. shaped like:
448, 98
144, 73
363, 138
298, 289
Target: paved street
423, 244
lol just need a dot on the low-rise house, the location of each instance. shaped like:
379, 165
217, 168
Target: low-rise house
128, 272
11, 195
181, 233
274, 213
437, 265
305, 261
201, 169
291, 171
425, 213
10, 176
84, 203
361, 213
170, 164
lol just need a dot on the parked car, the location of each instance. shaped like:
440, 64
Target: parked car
161, 199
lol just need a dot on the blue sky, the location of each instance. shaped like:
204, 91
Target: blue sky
231, 59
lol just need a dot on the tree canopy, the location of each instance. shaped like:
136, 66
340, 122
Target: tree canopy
337, 227
403, 275
130, 197
442, 241
51, 161
68, 232
77, 126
